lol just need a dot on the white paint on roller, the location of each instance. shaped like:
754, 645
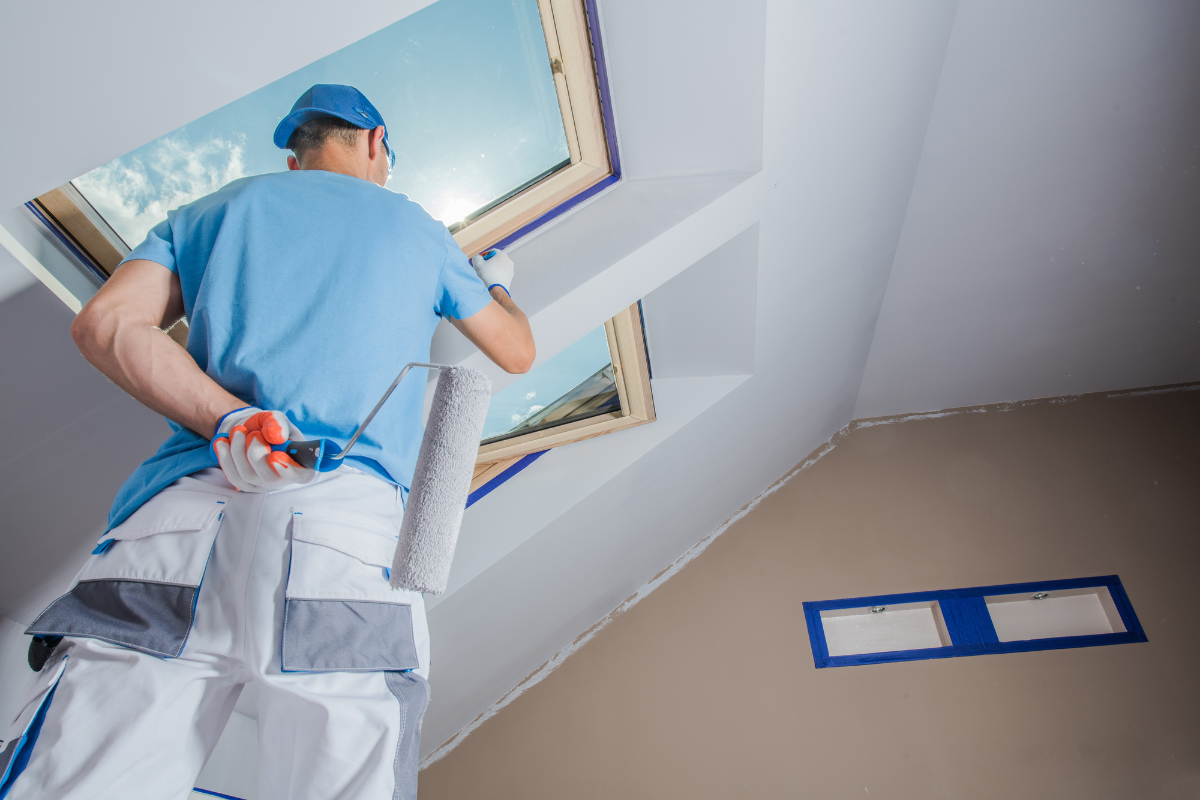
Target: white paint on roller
1075, 612
907, 626
441, 481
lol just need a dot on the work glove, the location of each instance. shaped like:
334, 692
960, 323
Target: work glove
242, 446
495, 268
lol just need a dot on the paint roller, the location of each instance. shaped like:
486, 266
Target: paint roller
441, 480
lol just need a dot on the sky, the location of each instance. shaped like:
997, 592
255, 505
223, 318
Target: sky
544, 384
464, 86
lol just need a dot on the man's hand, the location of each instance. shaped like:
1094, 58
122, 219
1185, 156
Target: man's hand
242, 446
495, 268
500, 330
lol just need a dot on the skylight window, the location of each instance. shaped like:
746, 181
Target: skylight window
578, 383
472, 112
493, 107
598, 385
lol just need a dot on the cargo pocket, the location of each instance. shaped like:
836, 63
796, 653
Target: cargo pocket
340, 613
139, 588
22, 734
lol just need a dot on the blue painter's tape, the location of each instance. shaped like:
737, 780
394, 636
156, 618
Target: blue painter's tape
969, 623
816, 634
968, 620
495, 482
210, 793
610, 134
558, 210
606, 107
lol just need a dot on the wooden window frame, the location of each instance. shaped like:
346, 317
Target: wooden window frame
573, 66
80, 227
631, 371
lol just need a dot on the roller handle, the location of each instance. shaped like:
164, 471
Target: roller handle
318, 454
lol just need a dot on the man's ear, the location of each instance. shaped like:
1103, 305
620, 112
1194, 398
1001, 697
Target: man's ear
292, 163
375, 143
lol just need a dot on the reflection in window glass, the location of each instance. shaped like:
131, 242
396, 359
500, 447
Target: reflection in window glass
576, 384
465, 87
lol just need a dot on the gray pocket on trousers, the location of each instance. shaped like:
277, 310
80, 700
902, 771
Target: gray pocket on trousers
347, 636
139, 587
154, 618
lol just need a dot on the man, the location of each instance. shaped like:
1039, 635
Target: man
227, 564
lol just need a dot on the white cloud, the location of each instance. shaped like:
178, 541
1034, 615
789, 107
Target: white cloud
519, 417
135, 193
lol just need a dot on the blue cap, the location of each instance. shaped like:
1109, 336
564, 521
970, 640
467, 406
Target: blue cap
332, 100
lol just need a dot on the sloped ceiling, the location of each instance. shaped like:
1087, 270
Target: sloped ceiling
795, 174
91, 82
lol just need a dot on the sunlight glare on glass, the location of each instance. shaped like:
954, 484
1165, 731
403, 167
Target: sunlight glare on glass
464, 85
546, 383
453, 208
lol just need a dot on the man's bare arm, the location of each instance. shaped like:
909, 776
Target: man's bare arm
120, 331
502, 332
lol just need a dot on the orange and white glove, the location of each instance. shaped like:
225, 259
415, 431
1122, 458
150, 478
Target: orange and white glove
242, 446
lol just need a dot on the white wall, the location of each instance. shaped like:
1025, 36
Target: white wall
14, 278
1052, 242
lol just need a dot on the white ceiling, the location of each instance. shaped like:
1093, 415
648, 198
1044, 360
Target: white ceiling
799, 172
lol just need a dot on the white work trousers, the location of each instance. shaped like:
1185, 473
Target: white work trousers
289, 591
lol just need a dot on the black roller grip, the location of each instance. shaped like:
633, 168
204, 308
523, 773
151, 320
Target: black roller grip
306, 454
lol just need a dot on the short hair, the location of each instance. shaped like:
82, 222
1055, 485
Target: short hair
314, 134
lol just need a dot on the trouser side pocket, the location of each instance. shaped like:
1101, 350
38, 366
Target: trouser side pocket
140, 586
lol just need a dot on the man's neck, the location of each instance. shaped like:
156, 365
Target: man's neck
335, 159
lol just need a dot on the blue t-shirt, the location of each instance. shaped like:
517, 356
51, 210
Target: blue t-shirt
306, 292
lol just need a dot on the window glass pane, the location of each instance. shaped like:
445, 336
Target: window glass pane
575, 384
465, 87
